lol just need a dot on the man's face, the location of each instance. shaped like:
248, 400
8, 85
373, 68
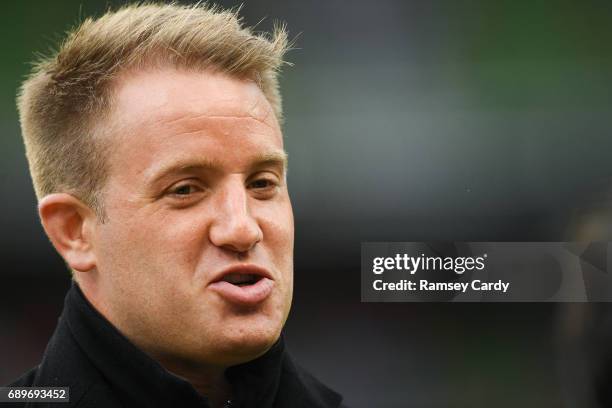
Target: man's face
195, 258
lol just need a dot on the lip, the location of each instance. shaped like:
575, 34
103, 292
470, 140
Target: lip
249, 295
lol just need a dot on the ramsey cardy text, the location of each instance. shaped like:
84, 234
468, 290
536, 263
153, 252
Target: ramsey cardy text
425, 285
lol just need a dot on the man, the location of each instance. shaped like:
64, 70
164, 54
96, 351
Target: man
155, 149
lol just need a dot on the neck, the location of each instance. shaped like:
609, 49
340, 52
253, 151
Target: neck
208, 381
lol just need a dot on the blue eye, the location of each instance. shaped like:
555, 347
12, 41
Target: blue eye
261, 183
183, 190
185, 193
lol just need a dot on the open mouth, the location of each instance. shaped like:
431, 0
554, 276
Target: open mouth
247, 285
242, 279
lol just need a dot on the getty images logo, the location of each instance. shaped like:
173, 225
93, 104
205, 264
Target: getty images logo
412, 264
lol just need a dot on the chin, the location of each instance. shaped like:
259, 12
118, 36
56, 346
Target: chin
242, 344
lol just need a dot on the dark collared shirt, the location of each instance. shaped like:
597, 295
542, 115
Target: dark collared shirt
104, 369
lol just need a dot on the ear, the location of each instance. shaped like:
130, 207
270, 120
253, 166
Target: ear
69, 225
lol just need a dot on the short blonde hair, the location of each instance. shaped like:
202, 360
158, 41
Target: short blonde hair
68, 93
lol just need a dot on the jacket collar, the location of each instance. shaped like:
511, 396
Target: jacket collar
272, 380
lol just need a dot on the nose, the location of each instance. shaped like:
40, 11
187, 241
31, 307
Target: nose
234, 228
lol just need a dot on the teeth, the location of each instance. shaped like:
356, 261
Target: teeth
240, 278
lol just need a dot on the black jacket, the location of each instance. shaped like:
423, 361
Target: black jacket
104, 369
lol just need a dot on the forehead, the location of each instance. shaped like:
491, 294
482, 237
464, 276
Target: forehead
164, 95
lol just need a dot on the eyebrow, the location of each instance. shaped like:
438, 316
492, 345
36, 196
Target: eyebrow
269, 159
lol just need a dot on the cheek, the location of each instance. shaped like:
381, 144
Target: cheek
277, 226
167, 242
